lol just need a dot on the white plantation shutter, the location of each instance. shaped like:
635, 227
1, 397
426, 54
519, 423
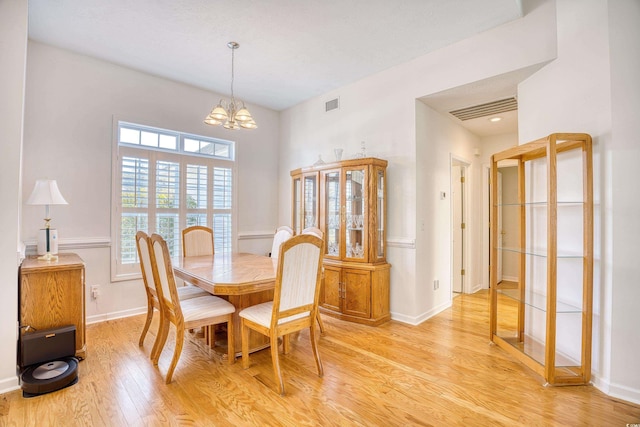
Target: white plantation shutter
165, 181
222, 205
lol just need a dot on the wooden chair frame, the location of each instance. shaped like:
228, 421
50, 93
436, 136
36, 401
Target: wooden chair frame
143, 247
279, 325
173, 312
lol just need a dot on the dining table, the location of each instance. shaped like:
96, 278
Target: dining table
243, 279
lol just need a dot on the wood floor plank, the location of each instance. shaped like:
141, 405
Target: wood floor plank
441, 372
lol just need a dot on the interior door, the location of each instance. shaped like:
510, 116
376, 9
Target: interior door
457, 183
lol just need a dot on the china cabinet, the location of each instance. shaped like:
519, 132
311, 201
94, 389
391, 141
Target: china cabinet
347, 201
545, 319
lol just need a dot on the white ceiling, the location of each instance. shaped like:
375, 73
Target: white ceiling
290, 50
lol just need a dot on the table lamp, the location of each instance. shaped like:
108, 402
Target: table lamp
46, 193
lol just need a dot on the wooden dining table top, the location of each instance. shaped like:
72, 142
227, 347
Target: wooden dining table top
234, 273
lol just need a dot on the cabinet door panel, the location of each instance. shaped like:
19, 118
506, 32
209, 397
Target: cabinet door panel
330, 295
357, 295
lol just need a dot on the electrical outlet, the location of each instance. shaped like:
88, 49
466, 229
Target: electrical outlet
95, 291
436, 284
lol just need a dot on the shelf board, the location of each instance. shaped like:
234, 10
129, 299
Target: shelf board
535, 350
539, 301
539, 252
543, 203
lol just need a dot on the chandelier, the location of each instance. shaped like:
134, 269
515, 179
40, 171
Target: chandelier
231, 114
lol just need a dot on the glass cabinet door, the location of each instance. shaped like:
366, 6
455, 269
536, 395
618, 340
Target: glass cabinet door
380, 218
332, 215
310, 197
355, 213
297, 206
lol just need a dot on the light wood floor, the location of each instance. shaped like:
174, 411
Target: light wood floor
443, 372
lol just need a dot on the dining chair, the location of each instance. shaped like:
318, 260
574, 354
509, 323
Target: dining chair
313, 230
197, 240
192, 313
184, 292
283, 233
318, 233
295, 303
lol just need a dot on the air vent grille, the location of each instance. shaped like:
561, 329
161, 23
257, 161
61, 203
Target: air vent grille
334, 104
488, 109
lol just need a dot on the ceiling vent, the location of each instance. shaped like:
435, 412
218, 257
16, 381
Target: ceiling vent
334, 104
488, 109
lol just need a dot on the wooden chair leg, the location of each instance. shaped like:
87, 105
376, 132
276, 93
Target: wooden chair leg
245, 343
314, 347
161, 339
286, 344
320, 324
231, 343
147, 323
275, 360
206, 330
176, 354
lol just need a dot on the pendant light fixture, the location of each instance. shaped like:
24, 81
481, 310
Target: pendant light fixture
231, 114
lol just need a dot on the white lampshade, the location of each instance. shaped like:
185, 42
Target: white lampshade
46, 192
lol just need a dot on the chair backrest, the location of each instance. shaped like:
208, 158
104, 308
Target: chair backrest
164, 278
283, 234
197, 240
297, 287
314, 231
142, 244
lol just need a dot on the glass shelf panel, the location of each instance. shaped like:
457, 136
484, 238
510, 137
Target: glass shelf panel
535, 350
539, 301
540, 252
543, 204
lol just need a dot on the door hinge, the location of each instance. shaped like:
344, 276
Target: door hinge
462, 179
463, 226
462, 272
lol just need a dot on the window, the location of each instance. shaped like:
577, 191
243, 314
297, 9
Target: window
165, 181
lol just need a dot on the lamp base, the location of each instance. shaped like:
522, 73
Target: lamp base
48, 257
42, 241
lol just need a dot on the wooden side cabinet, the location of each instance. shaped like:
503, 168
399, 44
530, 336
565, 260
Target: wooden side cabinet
52, 294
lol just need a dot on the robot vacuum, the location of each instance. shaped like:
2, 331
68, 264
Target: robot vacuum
47, 360
49, 376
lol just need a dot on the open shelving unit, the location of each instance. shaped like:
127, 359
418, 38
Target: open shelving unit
546, 320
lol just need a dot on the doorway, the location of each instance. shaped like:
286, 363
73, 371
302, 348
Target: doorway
459, 236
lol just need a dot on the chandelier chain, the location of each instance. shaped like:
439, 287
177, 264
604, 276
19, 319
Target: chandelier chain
233, 51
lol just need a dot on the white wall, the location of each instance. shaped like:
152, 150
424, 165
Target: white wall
381, 110
13, 55
621, 159
439, 140
70, 102
586, 90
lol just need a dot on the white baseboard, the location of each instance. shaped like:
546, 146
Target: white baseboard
98, 318
510, 278
416, 320
9, 384
617, 391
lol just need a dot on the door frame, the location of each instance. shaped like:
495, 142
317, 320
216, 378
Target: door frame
466, 166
